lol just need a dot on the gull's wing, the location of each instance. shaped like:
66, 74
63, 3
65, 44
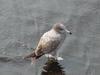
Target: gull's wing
47, 45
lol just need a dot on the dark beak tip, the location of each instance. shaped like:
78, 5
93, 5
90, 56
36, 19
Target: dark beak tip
70, 33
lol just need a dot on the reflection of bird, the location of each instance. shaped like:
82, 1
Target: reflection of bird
50, 41
52, 67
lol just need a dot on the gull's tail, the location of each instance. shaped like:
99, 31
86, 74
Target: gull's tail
33, 56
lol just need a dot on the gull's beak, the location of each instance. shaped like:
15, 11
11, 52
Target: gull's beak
69, 32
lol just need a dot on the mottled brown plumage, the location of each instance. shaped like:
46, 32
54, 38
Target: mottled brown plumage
50, 41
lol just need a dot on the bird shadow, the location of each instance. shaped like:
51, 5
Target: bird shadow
52, 67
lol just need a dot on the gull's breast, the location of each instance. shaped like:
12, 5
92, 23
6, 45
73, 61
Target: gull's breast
49, 42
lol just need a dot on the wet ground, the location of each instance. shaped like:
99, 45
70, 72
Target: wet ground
22, 22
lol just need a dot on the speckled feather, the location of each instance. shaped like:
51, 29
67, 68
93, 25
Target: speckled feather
50, 41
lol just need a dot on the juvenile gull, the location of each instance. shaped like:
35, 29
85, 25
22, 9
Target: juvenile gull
50, 42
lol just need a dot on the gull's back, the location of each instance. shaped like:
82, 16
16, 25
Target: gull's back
49, 42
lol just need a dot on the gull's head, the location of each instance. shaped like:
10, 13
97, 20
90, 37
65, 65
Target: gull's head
59, 27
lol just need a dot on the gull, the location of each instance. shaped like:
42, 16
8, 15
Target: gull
50, 42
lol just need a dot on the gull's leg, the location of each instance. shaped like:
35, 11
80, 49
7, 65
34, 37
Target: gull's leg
49, 56
55, 54
52, 55
58, 56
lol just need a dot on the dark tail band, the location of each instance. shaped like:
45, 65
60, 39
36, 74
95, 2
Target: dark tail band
32, 55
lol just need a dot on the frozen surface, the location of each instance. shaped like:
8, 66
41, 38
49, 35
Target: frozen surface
22, 22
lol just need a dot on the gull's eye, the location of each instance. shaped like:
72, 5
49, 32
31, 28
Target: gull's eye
61, 29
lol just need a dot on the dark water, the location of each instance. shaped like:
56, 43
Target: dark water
22, 22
